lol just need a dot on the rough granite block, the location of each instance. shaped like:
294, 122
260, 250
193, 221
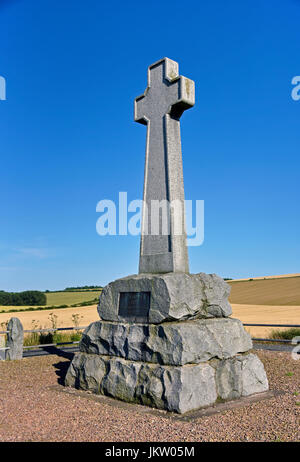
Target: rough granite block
174, 343
173, 297
173, 388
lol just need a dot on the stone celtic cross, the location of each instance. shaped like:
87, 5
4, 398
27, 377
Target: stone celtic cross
167, 96
165, 338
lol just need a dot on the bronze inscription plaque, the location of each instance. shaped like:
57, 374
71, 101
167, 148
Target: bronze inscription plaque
134, 306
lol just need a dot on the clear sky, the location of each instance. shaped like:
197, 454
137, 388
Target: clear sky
68, 139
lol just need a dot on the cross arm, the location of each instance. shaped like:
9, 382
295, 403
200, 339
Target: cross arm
186, 96
167, 92
139, 109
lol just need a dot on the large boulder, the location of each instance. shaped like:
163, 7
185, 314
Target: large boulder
157, 298
174, 343
178, 389
243, 375
86, 372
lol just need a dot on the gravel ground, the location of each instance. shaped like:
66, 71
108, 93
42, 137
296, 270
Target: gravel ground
34, 409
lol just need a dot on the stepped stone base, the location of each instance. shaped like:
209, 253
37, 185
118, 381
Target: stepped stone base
172, 388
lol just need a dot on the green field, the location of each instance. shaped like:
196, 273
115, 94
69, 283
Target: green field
70, 298
62, 298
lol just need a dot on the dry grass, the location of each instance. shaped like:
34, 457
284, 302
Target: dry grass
87, 314
276, 291
292, 275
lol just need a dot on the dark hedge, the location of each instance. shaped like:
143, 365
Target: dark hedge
29, 297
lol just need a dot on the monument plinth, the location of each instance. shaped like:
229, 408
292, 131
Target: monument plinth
165, 338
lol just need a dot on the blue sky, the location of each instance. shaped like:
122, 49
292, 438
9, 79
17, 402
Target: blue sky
68, 138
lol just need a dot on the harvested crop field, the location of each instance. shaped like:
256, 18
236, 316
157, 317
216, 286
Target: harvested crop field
279, 276
33, 407
262, 314
283, 291
265, 314
87, 314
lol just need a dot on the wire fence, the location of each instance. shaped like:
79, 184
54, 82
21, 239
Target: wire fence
274, 340
46, 330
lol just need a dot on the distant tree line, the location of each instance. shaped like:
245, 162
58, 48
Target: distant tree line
83, 287
29, 297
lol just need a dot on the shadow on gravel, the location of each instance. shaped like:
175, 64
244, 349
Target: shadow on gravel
62, 366
61, 370
59, 352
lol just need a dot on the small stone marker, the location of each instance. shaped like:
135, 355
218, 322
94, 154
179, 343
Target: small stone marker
15, 339
167, 96
165, 338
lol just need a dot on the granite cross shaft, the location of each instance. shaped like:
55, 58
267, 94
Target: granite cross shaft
167, 96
